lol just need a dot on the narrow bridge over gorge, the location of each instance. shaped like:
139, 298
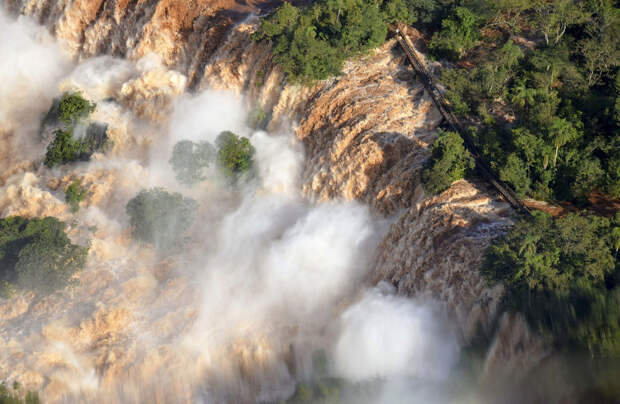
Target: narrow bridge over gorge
443, 106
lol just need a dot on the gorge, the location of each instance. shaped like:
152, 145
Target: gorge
331, 266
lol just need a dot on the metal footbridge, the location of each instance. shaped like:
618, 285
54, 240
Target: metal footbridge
443, 106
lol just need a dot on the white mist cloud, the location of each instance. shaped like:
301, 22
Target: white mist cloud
31, 63
100, 77
387, 336
204, 116
30, 67
279, 161
280, 261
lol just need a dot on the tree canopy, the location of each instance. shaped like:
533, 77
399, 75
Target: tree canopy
564, 275
235, 155
63, 149
75, 194
161, 218
190, 160
458, 34
73, 107
69, 111
36, 254
545, 117
449, 161
312, 42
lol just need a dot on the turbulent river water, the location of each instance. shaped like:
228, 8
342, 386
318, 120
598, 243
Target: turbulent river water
269, 293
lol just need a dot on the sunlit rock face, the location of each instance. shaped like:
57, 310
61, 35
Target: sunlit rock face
141, 327
433, 247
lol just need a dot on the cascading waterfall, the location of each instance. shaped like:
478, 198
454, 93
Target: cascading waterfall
267, 281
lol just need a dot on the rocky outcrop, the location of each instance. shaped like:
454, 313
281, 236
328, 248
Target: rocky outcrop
435, 248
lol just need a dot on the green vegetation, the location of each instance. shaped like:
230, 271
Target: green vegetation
73, 107
160, 218
66, 149
449, 161
63, 148
14, 396
564, 275
235, 155
260, 79
325, 391
75, 194
190, 160
311, 43
36, 254
458, 34
320, 388
546, 117
69, 111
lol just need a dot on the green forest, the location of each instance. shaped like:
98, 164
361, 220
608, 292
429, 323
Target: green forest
537, 85
563, 275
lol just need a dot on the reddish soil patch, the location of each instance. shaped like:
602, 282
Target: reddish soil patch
552, 209
604, 205
600, 204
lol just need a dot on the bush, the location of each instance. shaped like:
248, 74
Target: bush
160, 218
75, 194
14, 397
36, 254
235, 154
73, 108
190, 160
257, 118
458, 35
66, 149
564, 275
63, 148
70, 110
449, 161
